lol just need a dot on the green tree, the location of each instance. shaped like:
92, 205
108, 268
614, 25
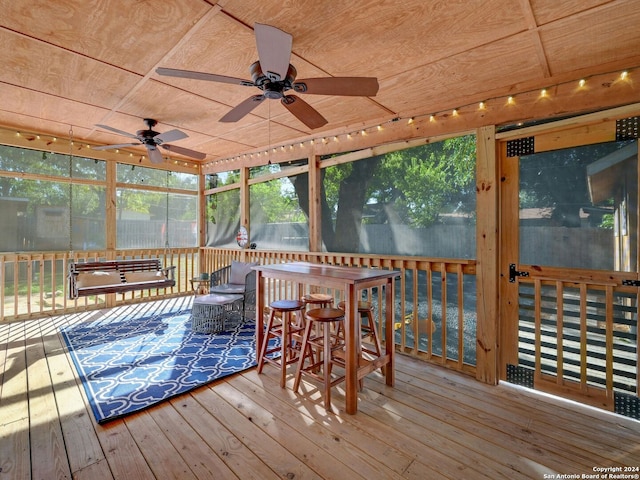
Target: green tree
275, 202
411, 187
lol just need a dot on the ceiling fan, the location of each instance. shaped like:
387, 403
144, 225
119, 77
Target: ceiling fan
152, 140
274, 75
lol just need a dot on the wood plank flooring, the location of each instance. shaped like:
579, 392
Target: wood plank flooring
433, 424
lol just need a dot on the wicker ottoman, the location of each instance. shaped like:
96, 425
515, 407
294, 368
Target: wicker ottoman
210, 313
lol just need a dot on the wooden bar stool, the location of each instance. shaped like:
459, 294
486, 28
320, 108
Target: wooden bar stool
318, 300
368, 328
318, 349
280, 325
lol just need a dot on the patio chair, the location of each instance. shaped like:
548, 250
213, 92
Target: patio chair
237, 279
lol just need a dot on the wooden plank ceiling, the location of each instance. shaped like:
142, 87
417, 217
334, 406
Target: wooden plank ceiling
80, 63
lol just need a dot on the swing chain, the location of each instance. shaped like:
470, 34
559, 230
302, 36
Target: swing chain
167, 246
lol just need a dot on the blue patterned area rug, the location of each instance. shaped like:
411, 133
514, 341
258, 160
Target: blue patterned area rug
127, 365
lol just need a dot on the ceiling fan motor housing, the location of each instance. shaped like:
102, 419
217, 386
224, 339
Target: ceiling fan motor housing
272, 89
148, 136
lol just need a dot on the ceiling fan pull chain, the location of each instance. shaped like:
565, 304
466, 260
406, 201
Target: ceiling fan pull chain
269, 133
70, 191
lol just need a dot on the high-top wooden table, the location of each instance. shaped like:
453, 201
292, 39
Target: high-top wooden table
351, 280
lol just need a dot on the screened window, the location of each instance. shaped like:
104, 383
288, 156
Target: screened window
419, 201
14, 159
578, 207
35, 215
136, 175
47, 213
223, 218
278, 221
223, 209
157, 210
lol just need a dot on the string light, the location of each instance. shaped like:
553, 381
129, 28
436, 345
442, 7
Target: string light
510, 100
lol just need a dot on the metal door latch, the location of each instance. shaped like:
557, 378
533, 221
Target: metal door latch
513, 273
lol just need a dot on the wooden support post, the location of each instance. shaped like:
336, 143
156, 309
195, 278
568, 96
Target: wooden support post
487, 257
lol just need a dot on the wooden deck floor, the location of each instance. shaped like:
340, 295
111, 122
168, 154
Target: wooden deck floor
433, 424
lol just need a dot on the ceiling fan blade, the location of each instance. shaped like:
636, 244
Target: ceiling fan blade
303, 111
154, 154
184, 151
119, 145
211, 77
170, 136
351, 86
243, 108
274, 51
115, 130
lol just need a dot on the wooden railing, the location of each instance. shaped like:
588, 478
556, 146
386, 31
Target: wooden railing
434, 308
578, 335
434, 304
34, 284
